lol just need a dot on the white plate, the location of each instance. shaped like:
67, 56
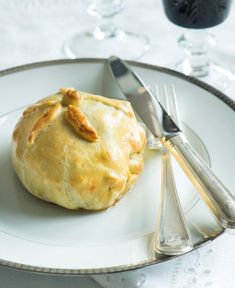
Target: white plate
38, 236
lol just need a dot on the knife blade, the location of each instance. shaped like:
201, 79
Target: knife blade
217, 197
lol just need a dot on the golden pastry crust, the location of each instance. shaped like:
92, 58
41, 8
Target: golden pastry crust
70, 96
80, 123
79, 151
35, 107
44, 120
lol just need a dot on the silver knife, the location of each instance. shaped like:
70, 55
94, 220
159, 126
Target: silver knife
218, 198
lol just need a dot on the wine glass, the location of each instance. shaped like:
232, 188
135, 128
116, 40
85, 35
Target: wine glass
106, 39
197, 15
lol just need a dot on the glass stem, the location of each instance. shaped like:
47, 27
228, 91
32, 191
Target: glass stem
105, 10
196, 44
105, 28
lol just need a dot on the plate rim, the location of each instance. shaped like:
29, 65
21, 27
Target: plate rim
45, 270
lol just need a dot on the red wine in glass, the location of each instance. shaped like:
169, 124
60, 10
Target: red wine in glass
196, 16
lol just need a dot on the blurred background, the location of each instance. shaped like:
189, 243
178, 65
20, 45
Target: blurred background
36, 30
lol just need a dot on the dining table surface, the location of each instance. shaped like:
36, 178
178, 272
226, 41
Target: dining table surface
35, 30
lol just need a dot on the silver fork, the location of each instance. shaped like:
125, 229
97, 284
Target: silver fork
171, 237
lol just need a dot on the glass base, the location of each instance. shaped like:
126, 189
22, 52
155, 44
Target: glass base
217, 75
120, 43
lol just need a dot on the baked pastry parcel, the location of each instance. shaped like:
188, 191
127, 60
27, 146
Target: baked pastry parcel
78, 150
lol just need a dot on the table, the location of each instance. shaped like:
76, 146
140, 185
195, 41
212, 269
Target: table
35, 30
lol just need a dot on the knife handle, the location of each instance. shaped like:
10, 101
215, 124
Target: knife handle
218, 198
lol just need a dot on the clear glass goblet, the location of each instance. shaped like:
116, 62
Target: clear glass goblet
106, 39
197, 16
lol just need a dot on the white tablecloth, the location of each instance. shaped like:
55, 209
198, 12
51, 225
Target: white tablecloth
35, 30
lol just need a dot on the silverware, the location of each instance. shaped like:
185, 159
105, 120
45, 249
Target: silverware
218, 198
171, 237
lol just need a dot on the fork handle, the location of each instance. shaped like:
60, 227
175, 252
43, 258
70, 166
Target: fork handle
218, 198
172, 237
